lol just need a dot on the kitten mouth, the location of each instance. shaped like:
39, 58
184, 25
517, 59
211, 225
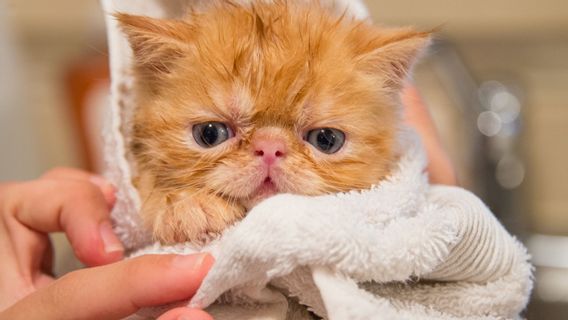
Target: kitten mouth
266, 189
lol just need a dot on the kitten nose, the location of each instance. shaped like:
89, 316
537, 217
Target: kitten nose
270, 150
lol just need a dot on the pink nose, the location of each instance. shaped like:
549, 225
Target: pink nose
269, 149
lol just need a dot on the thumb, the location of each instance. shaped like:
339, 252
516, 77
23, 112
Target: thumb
116, 290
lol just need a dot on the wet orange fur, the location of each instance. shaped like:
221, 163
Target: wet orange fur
265, 69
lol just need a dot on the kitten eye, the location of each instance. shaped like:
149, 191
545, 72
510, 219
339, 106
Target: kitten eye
326, 140
211, 134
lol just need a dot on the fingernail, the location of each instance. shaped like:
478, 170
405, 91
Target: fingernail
184, 317
192, 261
110, 241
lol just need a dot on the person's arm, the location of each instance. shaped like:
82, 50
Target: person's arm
416, 114
78, 204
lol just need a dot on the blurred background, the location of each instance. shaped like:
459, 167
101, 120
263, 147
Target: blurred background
496, 81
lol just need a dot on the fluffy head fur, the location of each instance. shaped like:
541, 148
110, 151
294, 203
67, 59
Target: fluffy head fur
270, 72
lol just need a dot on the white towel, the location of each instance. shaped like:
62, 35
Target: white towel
401, 250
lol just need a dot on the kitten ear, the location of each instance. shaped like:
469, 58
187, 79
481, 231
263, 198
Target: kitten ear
156, 43
392, 56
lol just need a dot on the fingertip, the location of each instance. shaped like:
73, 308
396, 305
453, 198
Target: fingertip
95, 256
100, 248
185, 314
110, 257
201, 263
112, 249
167, 277
108, 190
110, 196
207, 262
110, 240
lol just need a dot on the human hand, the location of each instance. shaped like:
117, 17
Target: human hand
66, 200
118, 290
78, 203
416, 114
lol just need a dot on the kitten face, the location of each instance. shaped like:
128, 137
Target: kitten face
239, 103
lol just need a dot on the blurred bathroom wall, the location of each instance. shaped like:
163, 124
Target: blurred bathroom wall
522, 44
496, 81
18, 159
39, 41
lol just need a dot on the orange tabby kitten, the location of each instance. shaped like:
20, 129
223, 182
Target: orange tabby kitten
240, 102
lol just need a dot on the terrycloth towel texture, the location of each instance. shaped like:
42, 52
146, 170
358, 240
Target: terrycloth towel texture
361, 255
402, 250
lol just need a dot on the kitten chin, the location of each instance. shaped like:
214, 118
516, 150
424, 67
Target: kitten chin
239, 102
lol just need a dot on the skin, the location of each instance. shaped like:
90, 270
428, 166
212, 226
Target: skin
78, 204
416, 114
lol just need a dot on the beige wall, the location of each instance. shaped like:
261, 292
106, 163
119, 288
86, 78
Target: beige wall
525, 40
478, 18
49, 35
55, 18
470, 18
540, 68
